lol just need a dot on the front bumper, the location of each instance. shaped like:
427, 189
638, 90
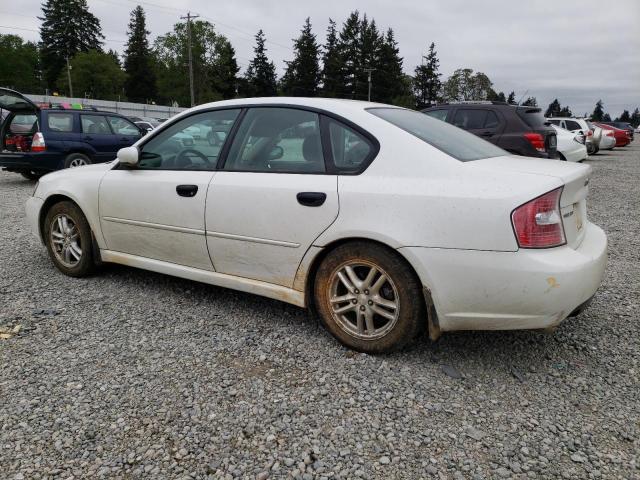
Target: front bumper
527, 289
33, 207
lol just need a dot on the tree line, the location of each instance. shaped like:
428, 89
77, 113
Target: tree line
71, 47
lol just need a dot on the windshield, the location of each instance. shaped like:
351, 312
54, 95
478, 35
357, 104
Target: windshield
453, 141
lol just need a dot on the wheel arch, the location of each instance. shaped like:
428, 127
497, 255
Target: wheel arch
54, 199
305, 277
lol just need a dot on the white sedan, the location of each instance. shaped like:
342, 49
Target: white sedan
570, 148
388, 221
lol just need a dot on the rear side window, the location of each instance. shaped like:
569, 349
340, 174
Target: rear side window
96, 124
470, 119
23, 123
492, 120
438, 114
531, 116
571, 125
459, 144
60, 122
349, 149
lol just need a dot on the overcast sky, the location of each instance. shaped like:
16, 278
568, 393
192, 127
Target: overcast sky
576, 50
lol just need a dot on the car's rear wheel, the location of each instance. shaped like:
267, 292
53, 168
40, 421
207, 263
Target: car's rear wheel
68, 238
76, 160
369, 298
32, 174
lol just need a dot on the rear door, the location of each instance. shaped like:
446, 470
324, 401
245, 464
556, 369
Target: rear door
273, 196
482, 122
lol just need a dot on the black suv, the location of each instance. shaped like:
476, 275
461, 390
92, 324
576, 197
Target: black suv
517, 129
36, 139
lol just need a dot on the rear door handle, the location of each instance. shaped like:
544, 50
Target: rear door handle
486, 134
311, 199
88, 137
187, 190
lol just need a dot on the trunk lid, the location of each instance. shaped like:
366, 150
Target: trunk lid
16, 102
574, 176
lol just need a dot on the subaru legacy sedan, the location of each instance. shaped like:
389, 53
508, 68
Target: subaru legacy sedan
386, 221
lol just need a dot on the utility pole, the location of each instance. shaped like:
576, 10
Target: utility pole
369, 70
69, 78
188, 19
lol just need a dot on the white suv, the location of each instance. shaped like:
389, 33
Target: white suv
578, 125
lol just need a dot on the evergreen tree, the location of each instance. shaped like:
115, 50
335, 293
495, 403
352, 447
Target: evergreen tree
370, 49
625, 117
140, 85
530, 102
19, 65
302, 77
635, 118
565, 112
350, 53
496, 97
224, 71
606, 117
598, 112
427, 82
512, 98
553, 110
332, 74
261, 74
67, 29
389, 80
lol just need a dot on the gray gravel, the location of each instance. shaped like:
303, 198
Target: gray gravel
131, 374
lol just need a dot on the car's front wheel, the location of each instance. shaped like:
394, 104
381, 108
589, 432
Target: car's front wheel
68, 239
369, 298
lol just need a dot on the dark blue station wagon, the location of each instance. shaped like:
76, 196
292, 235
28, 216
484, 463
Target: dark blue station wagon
38, 140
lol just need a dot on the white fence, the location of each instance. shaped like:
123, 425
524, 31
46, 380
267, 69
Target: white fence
123, 108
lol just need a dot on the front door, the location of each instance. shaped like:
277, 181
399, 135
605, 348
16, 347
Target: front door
157, 210
272, 198
97, 134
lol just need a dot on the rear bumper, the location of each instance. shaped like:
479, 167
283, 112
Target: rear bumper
29, 161
527, 289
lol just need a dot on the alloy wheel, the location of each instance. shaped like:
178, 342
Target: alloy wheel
364, 300
65, 240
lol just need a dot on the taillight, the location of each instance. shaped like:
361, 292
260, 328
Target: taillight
609, 133
536, 140
37, 143
589, 133
538, 223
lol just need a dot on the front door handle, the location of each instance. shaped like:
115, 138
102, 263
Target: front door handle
187, 190
311, 199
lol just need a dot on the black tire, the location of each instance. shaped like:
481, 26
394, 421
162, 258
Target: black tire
74, 158
560, 156
403, 289
85, 264
32, 174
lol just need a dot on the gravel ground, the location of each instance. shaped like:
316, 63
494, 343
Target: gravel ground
131, 374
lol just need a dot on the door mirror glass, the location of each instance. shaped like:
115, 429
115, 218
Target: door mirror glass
276, 153
128, 156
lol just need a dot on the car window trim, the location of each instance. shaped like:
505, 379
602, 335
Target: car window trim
222, 157
373, 151
166, 125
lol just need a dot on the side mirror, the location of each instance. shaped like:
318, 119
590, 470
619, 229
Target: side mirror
128, 156
276, 153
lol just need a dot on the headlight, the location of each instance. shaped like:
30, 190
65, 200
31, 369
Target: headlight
33, 194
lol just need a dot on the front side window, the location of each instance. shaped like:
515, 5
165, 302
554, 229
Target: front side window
439, 114
277, 140
95, 124
121, 126
188, 144
457, 143
349, 148
470, 119
60, 122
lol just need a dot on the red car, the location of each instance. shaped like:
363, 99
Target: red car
622, 136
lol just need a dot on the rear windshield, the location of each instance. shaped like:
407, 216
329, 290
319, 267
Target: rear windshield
453, 141
532, 116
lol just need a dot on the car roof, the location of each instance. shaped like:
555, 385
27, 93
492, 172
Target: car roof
335, 105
